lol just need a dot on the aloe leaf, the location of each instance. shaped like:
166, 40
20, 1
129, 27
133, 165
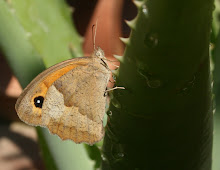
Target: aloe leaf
216, 73
215, 52
215, 22
163, 118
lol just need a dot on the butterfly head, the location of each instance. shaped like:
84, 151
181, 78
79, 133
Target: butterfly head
99, 53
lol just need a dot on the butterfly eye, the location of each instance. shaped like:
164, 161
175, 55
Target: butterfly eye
38, 101
98, 54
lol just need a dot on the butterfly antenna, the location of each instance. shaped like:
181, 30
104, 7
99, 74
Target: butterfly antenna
94, 32
93, 38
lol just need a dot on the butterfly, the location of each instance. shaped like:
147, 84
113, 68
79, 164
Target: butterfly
68, 98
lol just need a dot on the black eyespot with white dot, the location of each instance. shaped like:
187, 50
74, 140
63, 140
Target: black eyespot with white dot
38, 101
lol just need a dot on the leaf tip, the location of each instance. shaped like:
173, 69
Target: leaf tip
138, 4
119, 58
125, 40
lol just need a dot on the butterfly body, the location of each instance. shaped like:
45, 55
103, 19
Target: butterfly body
68, 99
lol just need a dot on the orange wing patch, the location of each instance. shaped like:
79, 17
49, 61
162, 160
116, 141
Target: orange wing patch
42, 88
57, 74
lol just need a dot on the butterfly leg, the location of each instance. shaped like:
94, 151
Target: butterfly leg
114, 88
111, 81
112, 61
114, 65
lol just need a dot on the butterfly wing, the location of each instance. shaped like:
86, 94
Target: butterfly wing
68, 98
